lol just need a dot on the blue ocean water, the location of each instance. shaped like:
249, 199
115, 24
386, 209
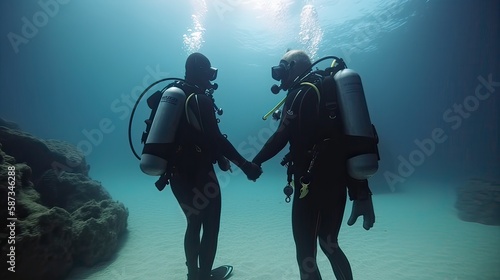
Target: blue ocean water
72, 70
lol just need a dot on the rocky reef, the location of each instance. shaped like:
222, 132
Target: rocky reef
479, 201
57, 216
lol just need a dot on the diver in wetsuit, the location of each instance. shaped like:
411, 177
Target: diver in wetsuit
193, 181
317, 159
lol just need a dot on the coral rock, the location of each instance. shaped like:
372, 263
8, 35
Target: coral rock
64, 218
42, 155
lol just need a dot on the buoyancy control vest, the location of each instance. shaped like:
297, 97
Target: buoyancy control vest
342, 109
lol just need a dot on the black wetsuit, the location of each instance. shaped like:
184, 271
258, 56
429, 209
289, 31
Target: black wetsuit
194, 182
319, 214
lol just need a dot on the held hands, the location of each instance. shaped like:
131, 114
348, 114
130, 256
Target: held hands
252, 170
363, 207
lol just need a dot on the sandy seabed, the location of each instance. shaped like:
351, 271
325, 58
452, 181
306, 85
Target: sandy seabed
417, 236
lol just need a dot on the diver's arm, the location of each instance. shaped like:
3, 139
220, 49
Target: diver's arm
230, 152
358, 189
277, 141
213, 134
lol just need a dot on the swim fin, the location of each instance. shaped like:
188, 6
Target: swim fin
222, 272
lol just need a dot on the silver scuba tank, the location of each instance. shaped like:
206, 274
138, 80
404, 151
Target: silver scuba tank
160, 141
356, 119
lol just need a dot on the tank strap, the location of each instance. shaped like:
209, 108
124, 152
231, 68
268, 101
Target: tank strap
330, 97
192, 119
318, 93
327, 102
190, 116
189, 113
314, 87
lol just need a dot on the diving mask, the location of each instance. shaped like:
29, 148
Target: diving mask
212, 73
281, 71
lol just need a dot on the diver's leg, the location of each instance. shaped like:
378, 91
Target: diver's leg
332, 211
338, 260
305, 219
211, 223
182, 188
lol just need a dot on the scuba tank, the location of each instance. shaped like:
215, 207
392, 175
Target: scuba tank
159, 145
159, 138
356, 122
166, 107
348, 97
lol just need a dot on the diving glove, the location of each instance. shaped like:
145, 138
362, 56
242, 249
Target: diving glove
362, 207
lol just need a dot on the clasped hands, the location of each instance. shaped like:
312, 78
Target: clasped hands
252, 170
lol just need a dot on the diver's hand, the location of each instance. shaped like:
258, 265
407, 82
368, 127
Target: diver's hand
363, 207
252, 170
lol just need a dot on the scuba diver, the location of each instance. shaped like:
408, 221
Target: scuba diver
198, 145
317, 163
201, 144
